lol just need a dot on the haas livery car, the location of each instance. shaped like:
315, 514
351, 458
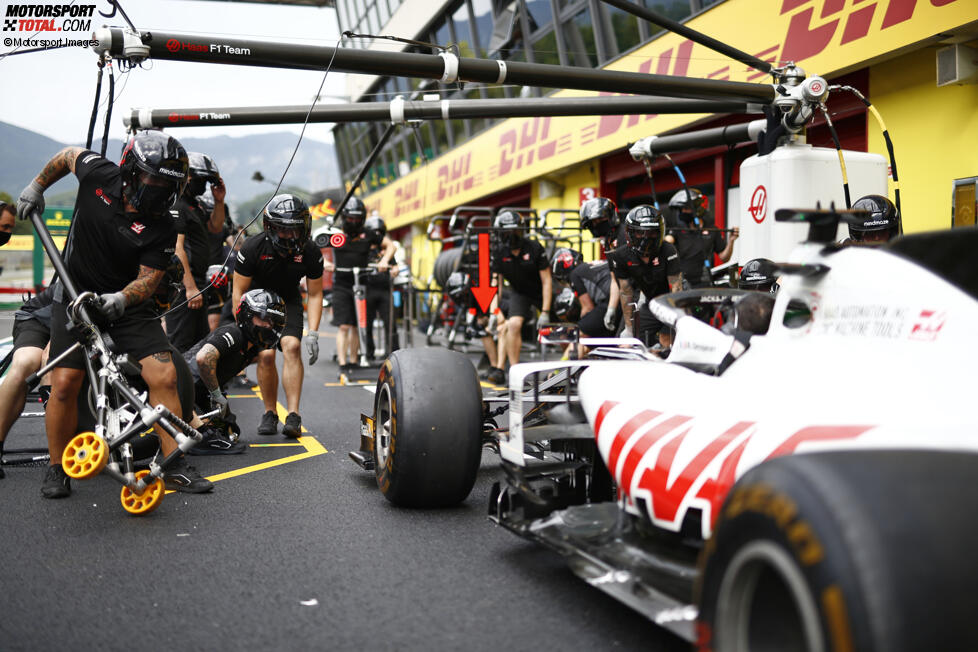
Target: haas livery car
799, 474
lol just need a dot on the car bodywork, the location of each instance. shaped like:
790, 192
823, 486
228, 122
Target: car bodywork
866, 349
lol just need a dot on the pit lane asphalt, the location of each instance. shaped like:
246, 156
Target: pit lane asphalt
304, 555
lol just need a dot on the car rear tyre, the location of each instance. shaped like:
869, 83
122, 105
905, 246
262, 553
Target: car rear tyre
855, 550
428, 428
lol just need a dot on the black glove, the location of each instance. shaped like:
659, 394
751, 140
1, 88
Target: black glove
31, 200
112, 305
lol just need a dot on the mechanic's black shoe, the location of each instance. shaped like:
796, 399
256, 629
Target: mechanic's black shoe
180, 476
240, 381
215, 443
57, 484
269, 424
293, 426
496, 376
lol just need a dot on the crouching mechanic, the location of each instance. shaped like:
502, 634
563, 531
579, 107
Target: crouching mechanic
276, 260
222, 354
591, 284
31, 333
645, 264
121, 241
523, 263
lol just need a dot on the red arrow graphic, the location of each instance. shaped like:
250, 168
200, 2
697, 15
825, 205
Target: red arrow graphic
484, 292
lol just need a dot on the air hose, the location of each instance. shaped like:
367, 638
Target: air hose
886, 137
838, 149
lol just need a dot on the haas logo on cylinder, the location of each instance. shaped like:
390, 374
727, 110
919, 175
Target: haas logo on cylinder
758, 204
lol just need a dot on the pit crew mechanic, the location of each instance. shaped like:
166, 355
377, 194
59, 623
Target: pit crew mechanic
645, 264
760, 274
219, 253
8, 214
523, 262
187, 321
692, 236
222, 354
31, 332
379, 285
599, 215
355, 252
591, 284
120, 243
881, 224
276, 260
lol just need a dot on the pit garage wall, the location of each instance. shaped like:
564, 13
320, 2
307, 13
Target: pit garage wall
827, 37
934, 132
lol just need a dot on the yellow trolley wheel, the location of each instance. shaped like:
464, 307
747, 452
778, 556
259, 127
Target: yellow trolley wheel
85, 456
144, 503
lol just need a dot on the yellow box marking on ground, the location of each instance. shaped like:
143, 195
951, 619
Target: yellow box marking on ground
273, 445
311, 444
491, 386
352, 383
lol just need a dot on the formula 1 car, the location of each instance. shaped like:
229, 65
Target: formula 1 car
805, 484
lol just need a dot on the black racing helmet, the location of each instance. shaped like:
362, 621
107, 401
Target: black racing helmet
457, 286
203, 170
287, 224
375, 229
882, 222
511, 228
600, 217
354, 215
564, 262
566, 306
154, 172
267, 306
645, 229
206, 202
685, 206
759, 274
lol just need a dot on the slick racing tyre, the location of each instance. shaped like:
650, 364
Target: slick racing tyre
446, 263
428, 428
857, 550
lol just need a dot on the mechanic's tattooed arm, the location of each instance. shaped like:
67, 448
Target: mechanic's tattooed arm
144, 285
627, 293
675, 282
60, 165
207, 359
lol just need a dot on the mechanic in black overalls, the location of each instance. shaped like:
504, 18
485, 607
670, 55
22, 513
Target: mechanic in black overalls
379, 284
524, 265
277, 259
221, 355
121, 241
591, 283
645, 264
690, 234
219, 253
355, 252
187, 322
600, 216
31, 334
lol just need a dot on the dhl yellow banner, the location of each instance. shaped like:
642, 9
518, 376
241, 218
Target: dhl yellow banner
823, 36
26, 243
